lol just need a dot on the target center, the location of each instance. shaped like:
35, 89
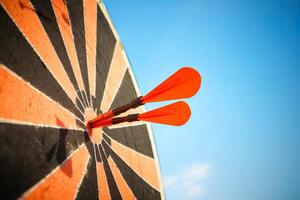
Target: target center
95, 134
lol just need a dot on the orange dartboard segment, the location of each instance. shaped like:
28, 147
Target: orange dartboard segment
61, 64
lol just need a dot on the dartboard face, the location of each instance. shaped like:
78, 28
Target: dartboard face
62, 64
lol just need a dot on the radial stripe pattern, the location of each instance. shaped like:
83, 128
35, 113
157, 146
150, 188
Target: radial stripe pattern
115, 75
30, 106
135, 161
61, 64
63, 20
90, 25
46, 14
25, 17
125, 191
62, 180
31, 69
102, 183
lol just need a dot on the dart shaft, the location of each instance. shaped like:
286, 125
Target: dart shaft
133, 104
128, 118
100, 118
114, 112
116, 120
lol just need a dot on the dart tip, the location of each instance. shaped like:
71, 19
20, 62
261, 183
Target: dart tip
91, 124
88, 126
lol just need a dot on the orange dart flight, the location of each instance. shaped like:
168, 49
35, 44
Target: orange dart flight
184, 83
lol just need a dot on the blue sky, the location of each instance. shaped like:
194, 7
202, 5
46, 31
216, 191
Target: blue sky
242, 141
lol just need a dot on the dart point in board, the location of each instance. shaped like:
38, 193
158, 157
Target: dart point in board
184, 83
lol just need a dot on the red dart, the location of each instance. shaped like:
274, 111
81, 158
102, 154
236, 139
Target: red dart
175, 114
184, 83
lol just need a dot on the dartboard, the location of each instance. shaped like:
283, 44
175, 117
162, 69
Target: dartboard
61, 65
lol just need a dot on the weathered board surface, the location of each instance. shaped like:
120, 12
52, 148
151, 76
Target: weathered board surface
61, 64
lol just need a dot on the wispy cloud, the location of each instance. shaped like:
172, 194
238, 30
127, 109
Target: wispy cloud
188, 181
